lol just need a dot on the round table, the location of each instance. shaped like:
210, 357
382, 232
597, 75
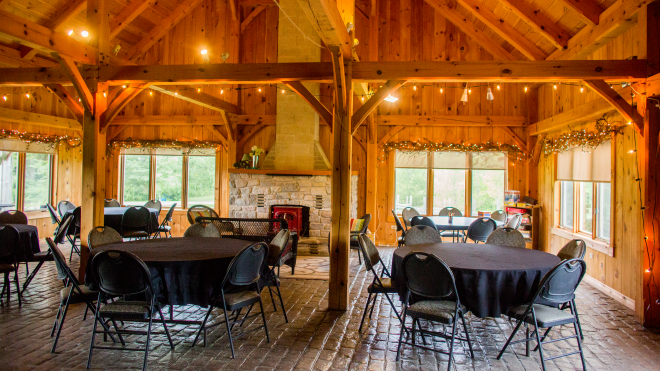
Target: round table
459, 223
184, 270
490, 279
112, 218
28, 241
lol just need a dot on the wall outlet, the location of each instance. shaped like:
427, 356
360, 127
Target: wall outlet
393, 227
591, 255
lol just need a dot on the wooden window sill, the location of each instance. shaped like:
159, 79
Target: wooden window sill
599, 246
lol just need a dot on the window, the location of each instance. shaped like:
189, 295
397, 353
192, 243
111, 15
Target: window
25, 180
470, 182
585, 191
169, 177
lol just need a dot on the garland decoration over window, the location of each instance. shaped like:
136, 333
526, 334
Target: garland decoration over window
514, 153
147, 145
587, 139
49, 141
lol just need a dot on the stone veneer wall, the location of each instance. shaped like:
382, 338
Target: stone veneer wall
283, 190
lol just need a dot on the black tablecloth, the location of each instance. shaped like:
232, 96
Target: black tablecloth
184, 270
490, 279
28, 241
112, 218
458, 223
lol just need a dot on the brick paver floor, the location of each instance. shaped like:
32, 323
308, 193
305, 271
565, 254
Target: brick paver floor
315, 338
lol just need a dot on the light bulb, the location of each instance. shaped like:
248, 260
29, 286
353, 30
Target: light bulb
629, 123
176, 93
391, 99
222, 91
282, 91
105, 94
204, 51
525, 89
415, 87
581, 89
70, 32
648, 270
363, 99
469, 91
4, 97
27, 95
84, 34
442, 90
489, 94
199, 90
123, 86
464, 97
555, 86
151, 93
631, 151
259, 90
498, 86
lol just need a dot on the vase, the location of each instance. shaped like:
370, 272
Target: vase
255, 162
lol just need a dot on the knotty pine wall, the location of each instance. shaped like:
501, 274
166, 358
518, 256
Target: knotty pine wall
620, 275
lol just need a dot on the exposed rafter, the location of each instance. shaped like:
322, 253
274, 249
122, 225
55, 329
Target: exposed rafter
217, 133
12, 57
67, 13
449, 11
70, 69
626, 110
451, 120
539, 22
326, 19
251, 16
130, 12
305, 94
504, 30
587, 10
390, 133
66, 98
30, 118
120, 101
361, 114
515, 137
183, 9
200, 98
590, 111
249, 134
184, 120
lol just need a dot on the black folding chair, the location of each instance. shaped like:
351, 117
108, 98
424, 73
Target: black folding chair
63, 207
165, 227
54, 218
354, 244
432, 282
9, 237
135, 223
243, 274
121, 273
557, 287
278, 250
399, 228
77, 222
382, 283
480, 229
44, 256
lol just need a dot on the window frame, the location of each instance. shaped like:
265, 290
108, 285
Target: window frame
20, 182
467, 211
575, 229
184, 204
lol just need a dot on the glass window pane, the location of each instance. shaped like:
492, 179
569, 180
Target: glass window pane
169, 177
604, 208
8, 178
136, 179
201, 180
487, 190
410, 189
586, 206
37, 181
566, 210
448, 189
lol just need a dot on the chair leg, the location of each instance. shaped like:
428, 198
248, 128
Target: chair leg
231, 342
577, 317
373, 305
451, 344
403, 328
272, 299
18, 287
414, 337
167, 332
263, 317
526, 338
393, 307
279, 294
421, 334
57, 319
204, 324
579, 341
538, 340
366, 308
467, 334
513, 333
146, 347
59, 329
91, 345
31, 276
246, 315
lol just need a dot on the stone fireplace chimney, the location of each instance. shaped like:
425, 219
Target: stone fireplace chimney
296, 144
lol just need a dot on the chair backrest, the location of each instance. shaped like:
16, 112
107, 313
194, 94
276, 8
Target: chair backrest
168, 216
369, 252
136, 217
365, 225
120, 273
111, 202
399, 227
514, 222
499, 215
202, 230
574, 249
9, 238
77, 217
245, 268
506, 237
277, 247
64, 229
13, 217
558, 286
480, 229
422, 234
63, 207
100, 236
428, 276
200, 210
54, 219
63, 270
407, 214
154, 204
422, 220
445, 211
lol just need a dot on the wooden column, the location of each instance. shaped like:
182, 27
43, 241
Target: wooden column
651, 265
223, 165
372, 169
341, 181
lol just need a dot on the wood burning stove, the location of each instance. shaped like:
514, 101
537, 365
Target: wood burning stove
297, 216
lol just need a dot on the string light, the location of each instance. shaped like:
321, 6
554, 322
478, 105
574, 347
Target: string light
586, 139
176, 93
282, 91
146, 145
105, 94
525, 89
259, 90
151, 93
442, 90
632, 151
199, 90
415, 87
222, 91
70, 32
498, 86
50, 141
581, 89
363, 98
4, 97
123, 86
27, 95
514, 153
555, 86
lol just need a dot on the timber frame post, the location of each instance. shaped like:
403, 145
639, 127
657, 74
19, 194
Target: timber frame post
341, 181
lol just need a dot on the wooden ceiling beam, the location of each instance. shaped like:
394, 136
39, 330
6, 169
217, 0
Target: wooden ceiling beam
504, 30
516, 139
251, 16
587, 10
183, 9
66, 98
13, 57
326, 19
117, 104
249, 134
43, 39
232, 8
71, 70
451, 120
539, 22
588, 112
452, 15
30, 118
217, 133
626, 110
318, 107
126, 16
390, 133
200, 98
27, 53
66, 14
184, 120
614, 21
369, 106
